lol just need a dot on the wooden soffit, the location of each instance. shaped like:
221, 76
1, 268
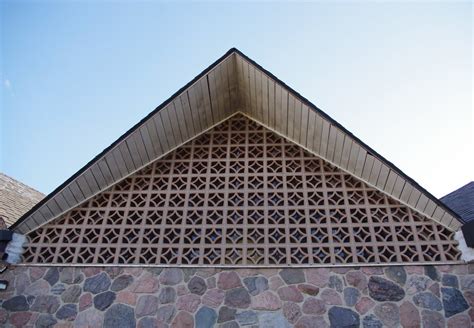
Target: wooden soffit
234, 83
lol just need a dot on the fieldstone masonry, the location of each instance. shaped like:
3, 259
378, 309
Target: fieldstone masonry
369, 297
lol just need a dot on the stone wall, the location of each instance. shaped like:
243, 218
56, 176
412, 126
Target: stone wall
410, 296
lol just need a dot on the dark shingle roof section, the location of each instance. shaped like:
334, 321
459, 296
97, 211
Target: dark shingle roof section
16, 198
461, 201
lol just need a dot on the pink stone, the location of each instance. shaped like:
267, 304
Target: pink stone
36, 273
409, 315
471, 314
85, 301
290, 293
357, 279
434, 289
183, 320
206, 272
275, 283
64, 325
372, 270
460, 269
291, 311
20, 319
40, 287
444, 268
211, 282
171, 276
89, 318
213, 297
182, 290
331, 297
91, 271
266, 301
133, 271
308, 289
341, 270
413, 269
22, 281
314, 306
127, 298
188, 302
318, 277
311, 322
228, 280
469, 296
146, 283
364, 305
3, 315
459, 321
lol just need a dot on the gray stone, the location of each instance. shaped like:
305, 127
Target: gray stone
58, 289
237, 297
114, 272
45, 321
97, 284
197, 285
431, 272
71, 294
167, 295
226, 314
450, 280
417, 284
165, 313
103, 300
171, 276
246, 318
388, 313
146, 305
291, 311
335, 283
119, 316
342, 317
432, 319
453, 301
311, 322
188, 273
229, 324
205, 317
428, 301
314, 306
121, 283
292, 276
89, 318
52, 276
272, 320
382, 290
351, 296
45, 304
67, 312
71, 276
397, 274
371, 321
467, 282
256, 285
147, 322
16, 303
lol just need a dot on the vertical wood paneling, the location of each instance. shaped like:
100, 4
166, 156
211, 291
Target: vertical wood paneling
133, 151
271, 103
61, 201
168, 130
398, 187
245, 81
76, 191
346, 152
324, 139
127, 157
331, 145
154, 139
99, 178
216, 111
253, 91
259, 96
278, 109
430, 207
182, 120
311, 129
338, 147
360, 161
207, 102
291, 117
304, 125
148, 142
369, 163
117, 158
318, 132
265, 99
192, 121
414, 197
422, 202
374, 173
383, 176
392, 178
197, 105
224, 87
233, 84
406, 192
284, 111
70, 199
353, 157
166, 140
137, 138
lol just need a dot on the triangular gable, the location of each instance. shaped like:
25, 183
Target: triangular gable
231, 84
241, 195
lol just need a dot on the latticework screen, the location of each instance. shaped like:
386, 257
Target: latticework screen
241, 195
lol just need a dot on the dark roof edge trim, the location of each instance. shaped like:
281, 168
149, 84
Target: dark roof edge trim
368, 148
120, 139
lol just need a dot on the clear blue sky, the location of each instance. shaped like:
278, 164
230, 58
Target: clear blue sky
76, 76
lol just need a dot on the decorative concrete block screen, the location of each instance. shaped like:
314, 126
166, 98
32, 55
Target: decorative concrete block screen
241, 195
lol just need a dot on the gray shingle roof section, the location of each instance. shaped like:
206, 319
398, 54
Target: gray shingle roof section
16, 198
461, 201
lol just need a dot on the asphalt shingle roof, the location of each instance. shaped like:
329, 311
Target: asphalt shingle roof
16, 198
461, 201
